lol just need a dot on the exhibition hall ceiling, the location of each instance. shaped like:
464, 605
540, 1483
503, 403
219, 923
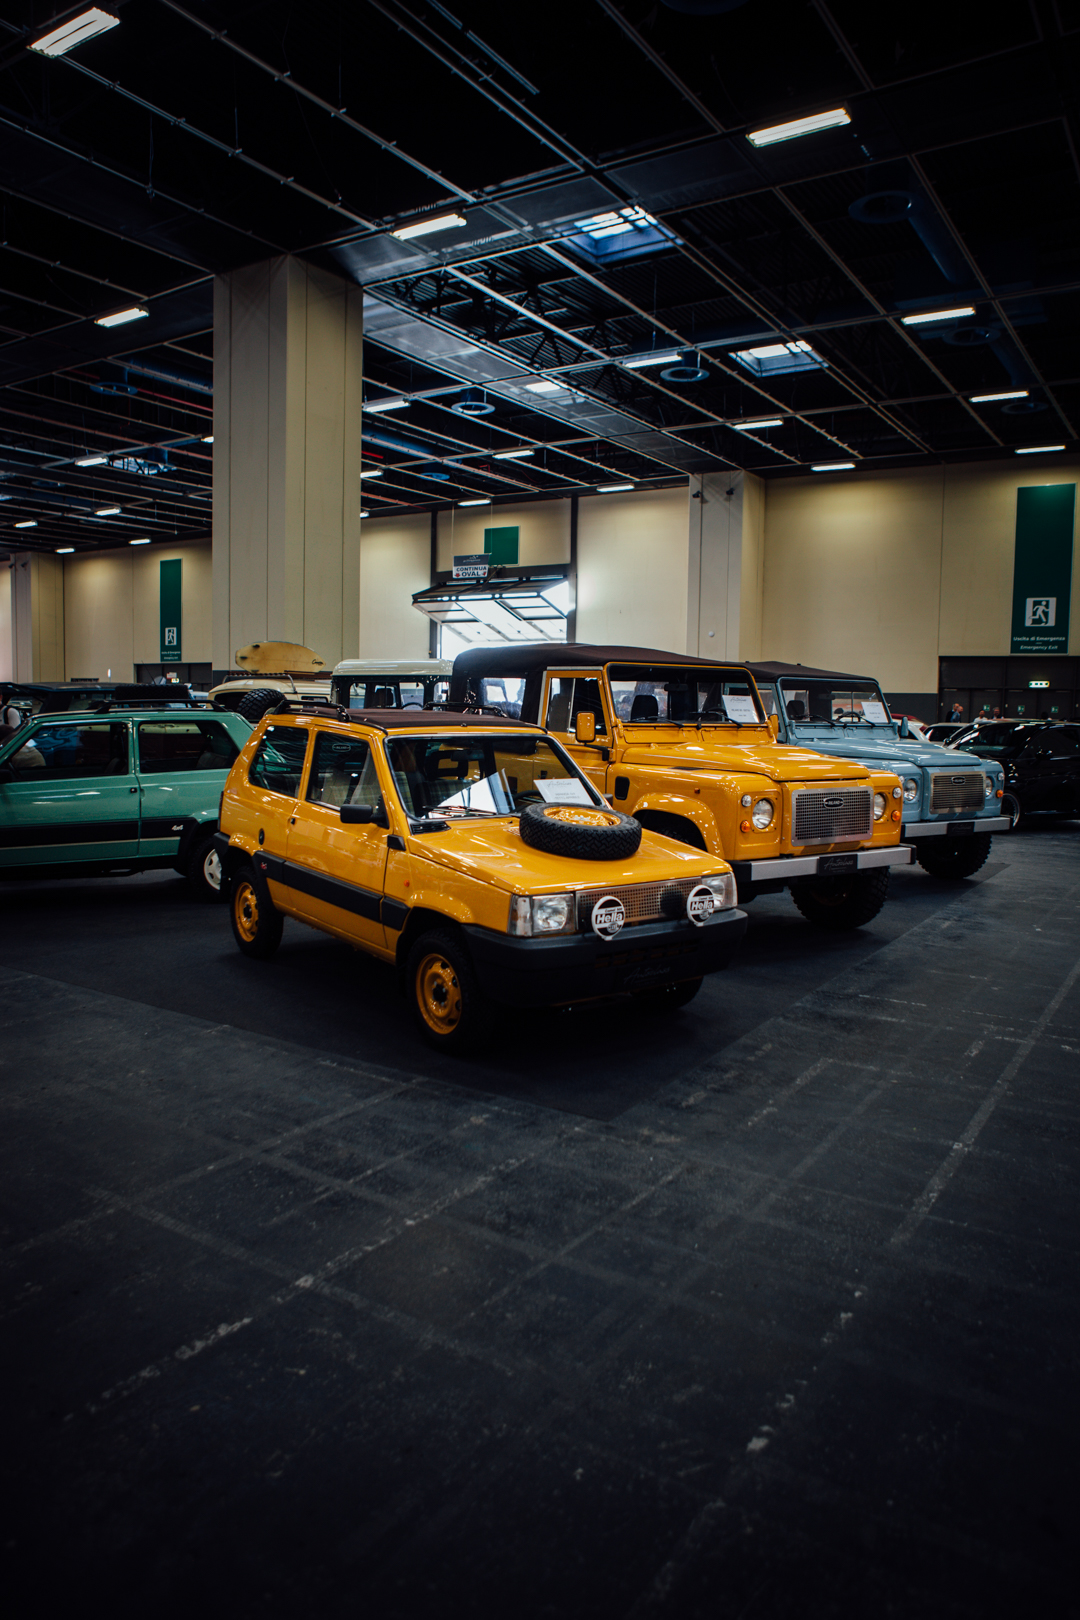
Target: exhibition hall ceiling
589, 258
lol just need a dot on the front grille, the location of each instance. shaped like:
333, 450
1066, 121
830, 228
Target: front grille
830, 815
957, 792
640, 901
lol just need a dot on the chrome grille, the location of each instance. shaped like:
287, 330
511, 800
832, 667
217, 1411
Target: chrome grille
640, 901
830, 815
957, 792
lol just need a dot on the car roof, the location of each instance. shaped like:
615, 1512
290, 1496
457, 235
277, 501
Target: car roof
521, 658
437, 720
773, 671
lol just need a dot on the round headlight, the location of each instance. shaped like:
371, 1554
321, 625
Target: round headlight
762, 814
881, 804
911, 787
988, 786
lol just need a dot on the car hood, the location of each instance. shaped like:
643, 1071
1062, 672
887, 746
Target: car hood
495, 852
779, 762
899, 754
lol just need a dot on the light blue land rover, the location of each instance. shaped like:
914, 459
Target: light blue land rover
952, 801
131, 784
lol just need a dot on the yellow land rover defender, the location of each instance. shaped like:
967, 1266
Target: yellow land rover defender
685, 746
471, 852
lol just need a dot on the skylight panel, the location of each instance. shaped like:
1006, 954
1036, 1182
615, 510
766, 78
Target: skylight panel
774, 359
619, 233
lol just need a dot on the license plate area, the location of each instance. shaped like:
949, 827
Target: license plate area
962, 829
837, 865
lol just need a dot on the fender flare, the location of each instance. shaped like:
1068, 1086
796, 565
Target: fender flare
692, 810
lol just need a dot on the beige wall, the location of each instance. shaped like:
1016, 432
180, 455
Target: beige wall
543, 531
882, 572
633, 569
395, 561
37, 602
7, 645
112, 616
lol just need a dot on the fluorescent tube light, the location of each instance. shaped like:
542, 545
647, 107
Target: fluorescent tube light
145, 542
424, 227
375, 472
92, 461
612, 489
208, 438
833, 466
798, 126
937, 315
122, 317
762, 422
30, 523
385, 404
512, 455
62, 550
1025, 450
365, 514
74, 31
988, 399
659, 357
544, 388
107, 511
482, 500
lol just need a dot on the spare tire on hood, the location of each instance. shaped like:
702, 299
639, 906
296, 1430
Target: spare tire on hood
585, 832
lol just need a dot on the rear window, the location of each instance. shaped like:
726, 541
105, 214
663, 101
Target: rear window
279, 760
184, 745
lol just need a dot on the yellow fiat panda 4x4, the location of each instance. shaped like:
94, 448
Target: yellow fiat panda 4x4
685, 746
471, 852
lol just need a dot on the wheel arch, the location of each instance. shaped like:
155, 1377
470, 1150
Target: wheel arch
656, 809
423, 920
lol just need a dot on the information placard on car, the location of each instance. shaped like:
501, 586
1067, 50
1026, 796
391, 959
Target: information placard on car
563, 790
741, 709
875, 712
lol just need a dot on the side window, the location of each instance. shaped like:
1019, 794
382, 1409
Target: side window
1066, 745
61, 751
571, 695
279, 760
184, 745
342, 772
504, 692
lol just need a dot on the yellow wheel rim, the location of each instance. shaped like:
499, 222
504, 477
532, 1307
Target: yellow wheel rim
438, 994
246, 911
581, 815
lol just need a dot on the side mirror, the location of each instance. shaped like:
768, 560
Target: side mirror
774, 725
585, 727
364, 815
905, 729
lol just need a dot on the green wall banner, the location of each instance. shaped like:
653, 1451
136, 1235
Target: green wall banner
170, 588
501, 545
1042, 569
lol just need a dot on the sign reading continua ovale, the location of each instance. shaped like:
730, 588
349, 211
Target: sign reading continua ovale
473, 566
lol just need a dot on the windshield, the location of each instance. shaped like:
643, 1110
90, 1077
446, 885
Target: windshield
1000, 741
833, 703
390, 691
649, 694
485, 775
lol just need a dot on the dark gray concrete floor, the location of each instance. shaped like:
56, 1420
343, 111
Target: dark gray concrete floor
768, 1309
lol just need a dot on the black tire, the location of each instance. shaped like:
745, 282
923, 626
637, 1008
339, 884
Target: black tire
447, 1005
256, 922
840, 903
582, 832
206, 880
953, 857
667, 998
1011, 806
253, 705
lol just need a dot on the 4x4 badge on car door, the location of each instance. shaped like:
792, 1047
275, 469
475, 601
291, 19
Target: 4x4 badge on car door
608, 916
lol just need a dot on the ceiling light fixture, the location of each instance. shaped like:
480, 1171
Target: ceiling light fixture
92, 461
798, 126
512, 455
74, 32
143, 542
833, 466
1025, 450
612, 489
473, 403
365, 514
988, 399
107, 511
544, 388
208, 438
62, 550
657, 357
424, 227
375, 405
122, 317
762, 422
482, 500
30, 523
374, 472
937, 315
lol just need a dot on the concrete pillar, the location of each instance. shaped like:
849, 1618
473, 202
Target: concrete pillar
37, 617
725, 566
287, 411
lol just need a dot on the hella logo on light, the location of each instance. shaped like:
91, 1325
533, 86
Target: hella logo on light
833, 804
700, 905
608, 916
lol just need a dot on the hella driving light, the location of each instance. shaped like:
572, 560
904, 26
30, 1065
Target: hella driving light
762, 814
541, 914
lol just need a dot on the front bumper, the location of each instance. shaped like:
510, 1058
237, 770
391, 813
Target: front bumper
955, 829
782, 868
579, 967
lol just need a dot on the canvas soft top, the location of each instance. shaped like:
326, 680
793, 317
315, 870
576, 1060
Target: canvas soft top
778, 672
522, 658
433, 720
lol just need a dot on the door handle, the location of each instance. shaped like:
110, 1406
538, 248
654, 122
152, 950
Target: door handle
133, 790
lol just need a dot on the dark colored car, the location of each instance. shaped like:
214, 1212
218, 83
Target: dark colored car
946, 731
1041, 760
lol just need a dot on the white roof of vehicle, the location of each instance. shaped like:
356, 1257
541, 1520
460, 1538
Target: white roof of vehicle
395, 668
305, 685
